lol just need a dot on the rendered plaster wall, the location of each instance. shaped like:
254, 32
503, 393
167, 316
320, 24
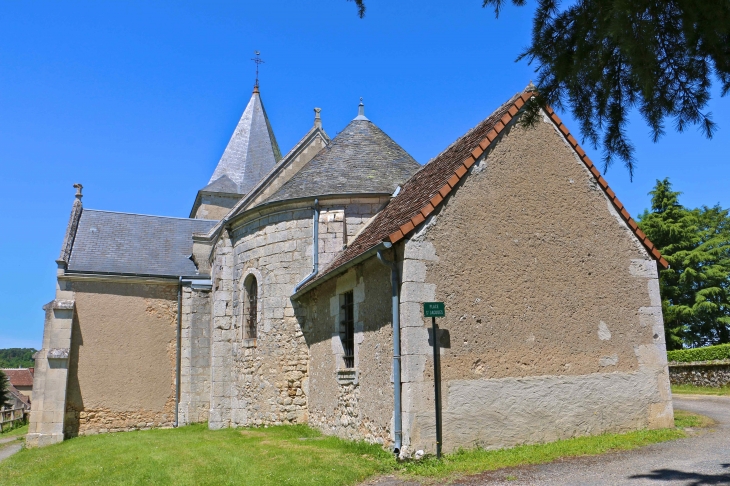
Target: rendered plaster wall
194, 356
553, 321
122, 360
265, 381
358, 403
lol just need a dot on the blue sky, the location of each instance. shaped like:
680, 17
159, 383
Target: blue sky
137, 99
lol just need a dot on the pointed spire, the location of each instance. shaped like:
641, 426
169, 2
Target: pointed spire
251, 152
361, 111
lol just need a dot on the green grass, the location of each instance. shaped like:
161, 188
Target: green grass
15, 431
194, 455
272, 456
701, 390
478, 460
684, 419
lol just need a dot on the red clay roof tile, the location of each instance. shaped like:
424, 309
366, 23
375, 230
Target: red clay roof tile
425, 191
19, 376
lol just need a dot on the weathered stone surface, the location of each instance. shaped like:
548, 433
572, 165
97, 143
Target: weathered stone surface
700, 374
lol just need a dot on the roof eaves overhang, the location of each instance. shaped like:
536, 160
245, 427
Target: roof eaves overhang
79, 275
384, 245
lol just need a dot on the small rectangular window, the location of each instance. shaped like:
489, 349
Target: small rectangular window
347, 329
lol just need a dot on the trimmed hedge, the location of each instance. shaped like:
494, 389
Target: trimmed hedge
709, 353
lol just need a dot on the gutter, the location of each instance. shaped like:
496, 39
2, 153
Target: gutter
395, 293
315, 248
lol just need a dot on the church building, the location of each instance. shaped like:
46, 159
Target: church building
293, 294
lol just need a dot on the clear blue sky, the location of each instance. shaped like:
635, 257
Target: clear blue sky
137, 99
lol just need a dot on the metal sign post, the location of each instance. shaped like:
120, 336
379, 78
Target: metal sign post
434, 310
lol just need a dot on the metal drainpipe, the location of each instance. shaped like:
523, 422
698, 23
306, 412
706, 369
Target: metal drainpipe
396, 350
177, 353
315, 248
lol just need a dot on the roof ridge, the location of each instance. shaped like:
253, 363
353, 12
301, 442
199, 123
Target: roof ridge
388, 226
147, 215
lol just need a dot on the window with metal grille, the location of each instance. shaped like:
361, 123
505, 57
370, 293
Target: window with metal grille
347, 328
251, 312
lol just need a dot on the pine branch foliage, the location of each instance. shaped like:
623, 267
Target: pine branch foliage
605, 58
695, 289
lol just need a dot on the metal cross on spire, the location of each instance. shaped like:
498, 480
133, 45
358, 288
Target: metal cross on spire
258, 61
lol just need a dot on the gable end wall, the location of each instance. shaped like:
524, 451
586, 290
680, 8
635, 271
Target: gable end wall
554, 325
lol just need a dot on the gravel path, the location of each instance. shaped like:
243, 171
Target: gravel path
703, 459
11, 449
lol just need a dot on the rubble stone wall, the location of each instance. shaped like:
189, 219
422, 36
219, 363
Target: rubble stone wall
352, 403
265, 381
700, 374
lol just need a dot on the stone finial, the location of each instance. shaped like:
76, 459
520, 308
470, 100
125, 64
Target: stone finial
361, 111
317, 118
78, 187
531, 87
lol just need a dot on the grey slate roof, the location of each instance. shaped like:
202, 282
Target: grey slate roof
252, 150
361, 159
222, 184
123, 243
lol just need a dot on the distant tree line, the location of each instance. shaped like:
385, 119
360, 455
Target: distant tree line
695, 289
17, 358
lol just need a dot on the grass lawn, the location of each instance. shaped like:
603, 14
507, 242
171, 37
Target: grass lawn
194, 455
275, 456
16, 431
700, 390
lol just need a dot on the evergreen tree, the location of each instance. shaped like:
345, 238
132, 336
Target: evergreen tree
5, 401
696, 288
604, 58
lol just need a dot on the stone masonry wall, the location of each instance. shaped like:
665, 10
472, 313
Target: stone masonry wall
700, 374
264, 381
352, 403
194, 356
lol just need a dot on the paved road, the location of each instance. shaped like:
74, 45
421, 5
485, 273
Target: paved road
696, 461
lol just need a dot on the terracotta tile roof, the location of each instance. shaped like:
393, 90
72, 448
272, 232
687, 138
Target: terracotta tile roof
426, 190
19, 376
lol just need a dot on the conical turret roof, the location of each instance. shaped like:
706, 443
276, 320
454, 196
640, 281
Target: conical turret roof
251, 152
361, 159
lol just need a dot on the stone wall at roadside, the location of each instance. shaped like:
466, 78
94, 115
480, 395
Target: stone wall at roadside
711, 374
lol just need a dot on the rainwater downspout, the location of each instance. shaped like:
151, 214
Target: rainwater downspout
315, 248
177, 347
398, 423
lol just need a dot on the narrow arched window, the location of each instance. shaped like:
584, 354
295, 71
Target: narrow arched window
251, 316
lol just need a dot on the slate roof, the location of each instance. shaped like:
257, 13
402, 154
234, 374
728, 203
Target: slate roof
426, 190
222, 184
361, 159
19, 376
123, 243
252, 150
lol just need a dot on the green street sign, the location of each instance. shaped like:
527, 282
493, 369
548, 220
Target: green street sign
434, 309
